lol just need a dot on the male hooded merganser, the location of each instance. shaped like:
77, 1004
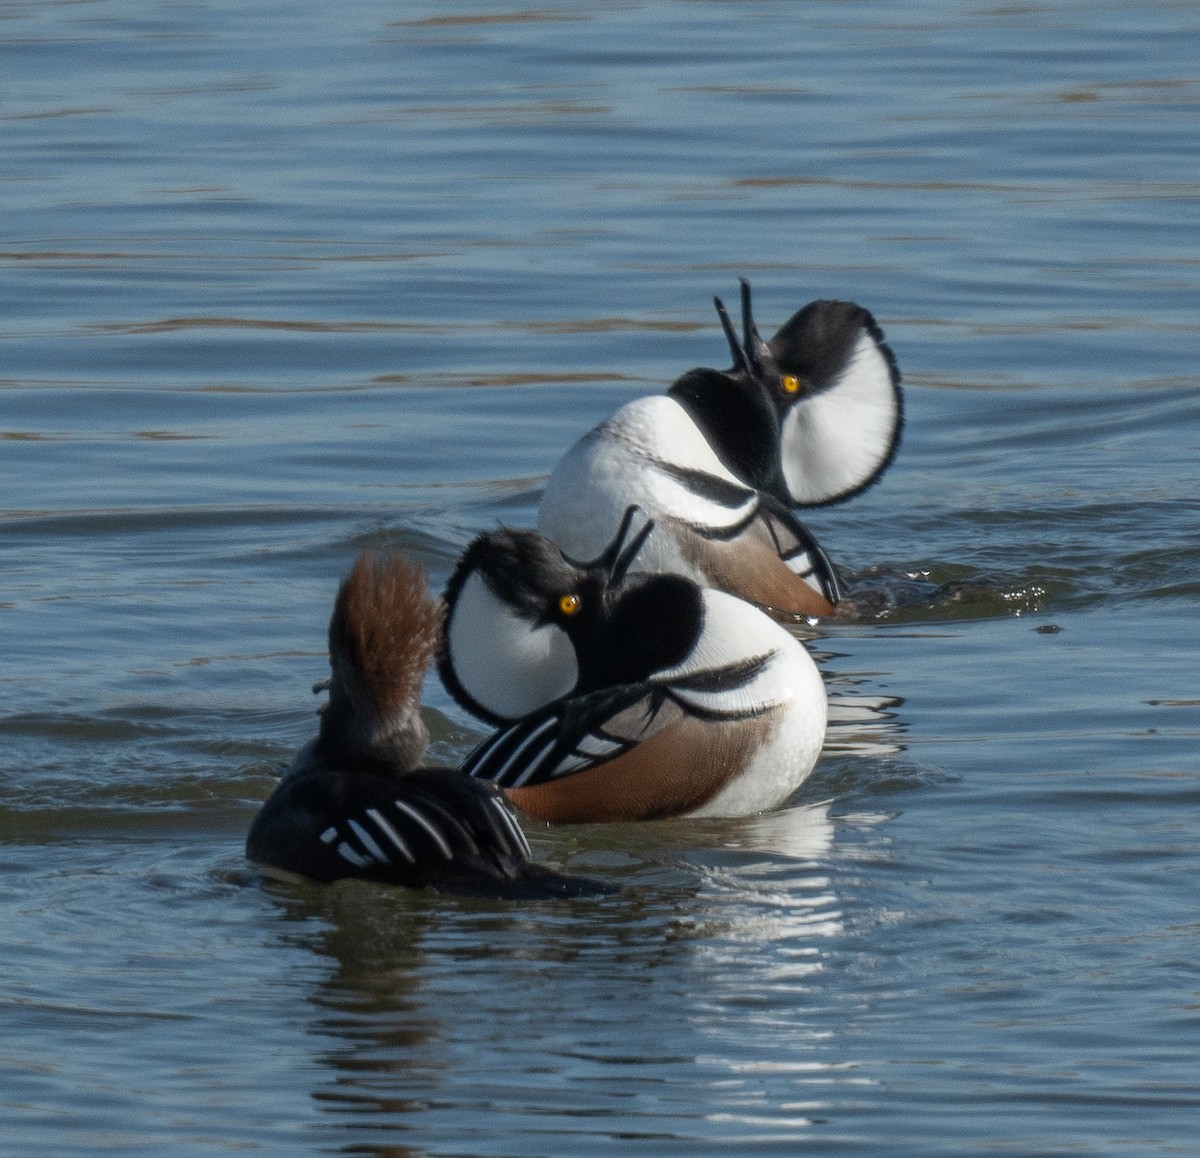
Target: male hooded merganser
354, 802
624, 696
811, 417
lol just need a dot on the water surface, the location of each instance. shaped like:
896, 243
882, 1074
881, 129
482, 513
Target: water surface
281, 283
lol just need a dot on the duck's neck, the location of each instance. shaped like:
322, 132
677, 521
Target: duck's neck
739, 421
354, 735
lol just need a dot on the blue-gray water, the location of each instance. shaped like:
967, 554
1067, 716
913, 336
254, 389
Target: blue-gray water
278, 281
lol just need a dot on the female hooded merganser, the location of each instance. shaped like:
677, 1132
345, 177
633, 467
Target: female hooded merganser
354, 802
811, 417
621, 696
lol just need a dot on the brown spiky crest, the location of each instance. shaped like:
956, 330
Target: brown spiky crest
383, 634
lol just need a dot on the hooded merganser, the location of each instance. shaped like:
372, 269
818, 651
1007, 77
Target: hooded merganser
811, 417
624, 696
354, 802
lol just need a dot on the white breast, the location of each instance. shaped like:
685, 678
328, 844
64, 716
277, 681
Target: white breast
626, 460
735, 630
788, 690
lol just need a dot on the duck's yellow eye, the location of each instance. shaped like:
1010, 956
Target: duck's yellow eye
569, 604
790, 383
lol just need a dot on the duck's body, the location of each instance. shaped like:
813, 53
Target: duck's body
714, 528
426, 827
355, 801
720, 460
625, 697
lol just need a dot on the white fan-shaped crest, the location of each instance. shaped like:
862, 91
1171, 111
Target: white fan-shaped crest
836, 442
506, 664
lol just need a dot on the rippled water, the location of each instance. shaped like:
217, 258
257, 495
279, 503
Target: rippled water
279, 282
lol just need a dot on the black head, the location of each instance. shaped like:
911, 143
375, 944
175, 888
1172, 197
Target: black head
811, 416
526, 625
808, 354
813, 347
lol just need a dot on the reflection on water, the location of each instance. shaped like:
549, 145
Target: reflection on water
718, 936
864, 726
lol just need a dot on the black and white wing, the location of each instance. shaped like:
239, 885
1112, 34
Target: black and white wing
768, 557
568, 737
590, 731
422, 823
427, 828
795, 544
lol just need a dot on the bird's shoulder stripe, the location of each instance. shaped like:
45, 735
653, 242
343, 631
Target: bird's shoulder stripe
725, 493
